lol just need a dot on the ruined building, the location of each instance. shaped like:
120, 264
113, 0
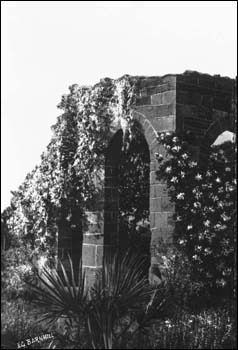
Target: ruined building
201, 103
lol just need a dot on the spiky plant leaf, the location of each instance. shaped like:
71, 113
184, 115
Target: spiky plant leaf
121, 289
59, 294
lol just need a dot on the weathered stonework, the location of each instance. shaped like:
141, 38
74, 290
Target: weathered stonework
190, 101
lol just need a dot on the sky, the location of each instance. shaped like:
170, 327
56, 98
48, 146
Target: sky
49, 45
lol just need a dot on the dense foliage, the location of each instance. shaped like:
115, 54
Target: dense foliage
121, 311
205, 197
53, 197
122, 308
134, 192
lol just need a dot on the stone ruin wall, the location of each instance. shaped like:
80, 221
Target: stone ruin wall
192, 101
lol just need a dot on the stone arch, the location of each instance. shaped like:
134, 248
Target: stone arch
148, 131
119, 188
215, 129
161, 209
224, 137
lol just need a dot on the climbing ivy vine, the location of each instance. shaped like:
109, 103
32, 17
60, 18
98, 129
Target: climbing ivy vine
55, 194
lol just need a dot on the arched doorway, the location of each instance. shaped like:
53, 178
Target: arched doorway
221, 127
114, 228
225, 136
127, 189
111, 190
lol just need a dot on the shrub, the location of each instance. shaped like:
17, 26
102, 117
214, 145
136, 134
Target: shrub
209, 329
15, 268
120, 300
20, 324
121, 310
184, 292
205, 210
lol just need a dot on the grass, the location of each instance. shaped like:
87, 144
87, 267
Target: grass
209, 329
20, 321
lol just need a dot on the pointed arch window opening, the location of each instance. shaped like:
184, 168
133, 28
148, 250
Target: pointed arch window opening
126, 209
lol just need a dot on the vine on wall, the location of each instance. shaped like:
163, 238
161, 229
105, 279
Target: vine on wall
53, 197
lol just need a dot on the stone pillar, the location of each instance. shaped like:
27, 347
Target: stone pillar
100, 229
92, 250
93, 232
157, 113
161, 219
111, 194
111, 204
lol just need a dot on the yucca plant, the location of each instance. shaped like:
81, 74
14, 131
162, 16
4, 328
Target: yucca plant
58, 293
62, 297
118, 296
120, 303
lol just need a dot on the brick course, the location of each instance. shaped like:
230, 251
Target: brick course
175, 102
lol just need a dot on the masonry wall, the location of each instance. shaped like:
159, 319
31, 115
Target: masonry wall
204, 106
156, 112
190, 101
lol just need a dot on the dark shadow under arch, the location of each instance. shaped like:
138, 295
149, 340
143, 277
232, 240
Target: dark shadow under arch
111, 194
134, 191
127, 184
